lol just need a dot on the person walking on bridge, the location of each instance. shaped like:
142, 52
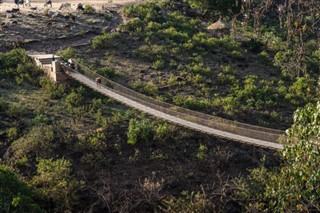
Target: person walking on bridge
98, 81
47, 3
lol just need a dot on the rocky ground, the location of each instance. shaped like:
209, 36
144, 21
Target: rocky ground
41, 29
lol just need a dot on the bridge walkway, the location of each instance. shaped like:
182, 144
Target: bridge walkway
131, 102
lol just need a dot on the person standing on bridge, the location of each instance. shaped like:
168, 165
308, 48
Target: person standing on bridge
47, 3
98, 81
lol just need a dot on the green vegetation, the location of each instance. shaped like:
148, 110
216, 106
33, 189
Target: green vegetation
15, 195
248, 72
57, 184
89, 9
66, 148
294, 185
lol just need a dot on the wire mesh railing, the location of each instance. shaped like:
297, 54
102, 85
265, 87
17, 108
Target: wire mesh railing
242, 129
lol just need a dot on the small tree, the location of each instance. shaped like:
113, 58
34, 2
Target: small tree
294, 187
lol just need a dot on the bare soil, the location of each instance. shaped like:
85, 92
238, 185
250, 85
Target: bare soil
47, 30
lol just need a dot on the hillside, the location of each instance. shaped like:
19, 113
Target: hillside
67, 148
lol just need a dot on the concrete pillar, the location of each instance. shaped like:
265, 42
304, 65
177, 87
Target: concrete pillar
56, 70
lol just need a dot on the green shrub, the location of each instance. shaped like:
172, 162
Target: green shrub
132, 25
151, 89
74, 99
16, 110
107, 72
237, 55
38, 141
199, 68
52, 90
15, 195
255, 45
12, 133
302, 91
54, 181
67, 53
159, 64
228, 76
163, 132
106, 40
107, 17
228, 43
264, 57
89, 9
202, 152
147, 11
194, 202
17, 65
139, 131
93, 143
294, 186
40, 119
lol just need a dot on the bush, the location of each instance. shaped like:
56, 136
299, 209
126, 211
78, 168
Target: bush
147, 11
38, 141
12, 134
107, 72
159, 64
194, 202
151, 89
17, 65
67, 53
106, 40
16, 110
74, 99
162, 132
89, 9
294, 186
237, 55
264, 57
54, 181
302, 91
15, 195
132, 25
52, 90
199, 68
139, 131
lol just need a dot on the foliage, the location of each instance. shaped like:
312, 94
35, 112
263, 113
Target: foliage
106, 40
75, 98
12, 133
38, 141
15, 195
219, 6
194, 202
54, 181
151, 89
163, 132
89, 9
16, 110
16, 64
107, 72
294, 186
52, 90
67, 53
202, 152
302, 91
139, 131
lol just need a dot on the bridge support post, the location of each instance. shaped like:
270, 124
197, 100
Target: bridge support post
58, 75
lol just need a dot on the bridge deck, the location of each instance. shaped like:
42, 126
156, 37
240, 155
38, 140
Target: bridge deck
182, 122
